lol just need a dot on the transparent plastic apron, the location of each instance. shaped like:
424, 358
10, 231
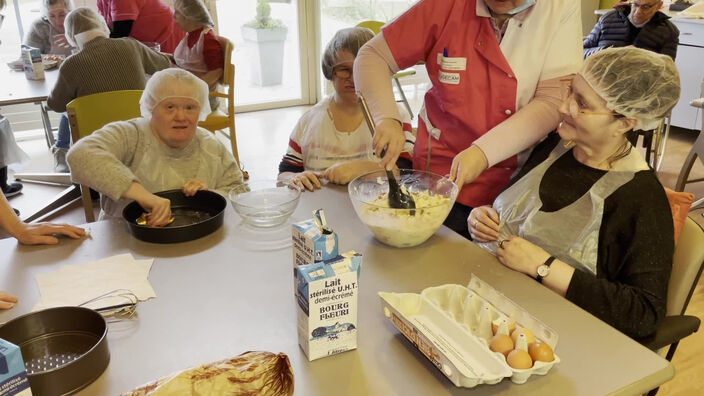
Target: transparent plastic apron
155, 173
192, 59
572, 233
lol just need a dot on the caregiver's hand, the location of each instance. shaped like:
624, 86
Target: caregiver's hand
521, 255
389, 135
7, 300
193, 186
483, 224
468, 165
159, 208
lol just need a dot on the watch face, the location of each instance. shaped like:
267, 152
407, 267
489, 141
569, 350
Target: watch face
543, 270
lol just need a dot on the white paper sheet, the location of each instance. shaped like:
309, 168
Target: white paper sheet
73, 285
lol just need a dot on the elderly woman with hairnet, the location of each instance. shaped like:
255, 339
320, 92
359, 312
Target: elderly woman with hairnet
47, 32
162, 150
331, 141
200, 51
586, 216
103, 64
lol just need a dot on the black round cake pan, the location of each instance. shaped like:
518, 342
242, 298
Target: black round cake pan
64, 349
194, 217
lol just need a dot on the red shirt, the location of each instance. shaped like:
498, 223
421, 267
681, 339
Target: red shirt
474, 87
153, 20
212, 50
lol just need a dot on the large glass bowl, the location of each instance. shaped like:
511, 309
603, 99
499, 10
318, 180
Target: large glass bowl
434, 196
268, 203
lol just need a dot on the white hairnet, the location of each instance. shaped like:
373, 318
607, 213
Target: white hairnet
194, 10
174, 83
82, 20
47, 3
634, 82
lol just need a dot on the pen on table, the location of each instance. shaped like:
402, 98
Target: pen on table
444, 52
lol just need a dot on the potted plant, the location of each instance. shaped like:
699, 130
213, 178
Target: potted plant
269, 35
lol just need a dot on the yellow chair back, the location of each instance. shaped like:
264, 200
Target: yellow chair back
90, 113
374, 26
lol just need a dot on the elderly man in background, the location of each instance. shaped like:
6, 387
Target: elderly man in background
638, 23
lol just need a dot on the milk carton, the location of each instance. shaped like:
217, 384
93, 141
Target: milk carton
327, 305
13, 375
33, 66
313, 241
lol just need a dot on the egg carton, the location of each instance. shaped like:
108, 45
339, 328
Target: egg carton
451, 326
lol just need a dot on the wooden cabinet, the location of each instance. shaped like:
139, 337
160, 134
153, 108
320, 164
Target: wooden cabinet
690, 63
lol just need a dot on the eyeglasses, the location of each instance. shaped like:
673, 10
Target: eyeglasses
644, 7
342, 71
576, 106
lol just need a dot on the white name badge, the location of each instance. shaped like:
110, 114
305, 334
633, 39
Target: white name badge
449, 78
454, 63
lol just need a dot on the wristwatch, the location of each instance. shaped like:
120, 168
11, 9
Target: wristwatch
544, 269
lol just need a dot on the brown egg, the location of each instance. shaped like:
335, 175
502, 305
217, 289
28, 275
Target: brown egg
510, 322
501, 343
541, 351
530, 337
519, 359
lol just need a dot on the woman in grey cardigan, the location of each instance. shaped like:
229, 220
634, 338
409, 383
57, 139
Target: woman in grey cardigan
47, 32
162, 150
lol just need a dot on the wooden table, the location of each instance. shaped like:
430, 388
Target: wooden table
218, 297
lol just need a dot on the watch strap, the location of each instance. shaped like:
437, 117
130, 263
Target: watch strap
547, 263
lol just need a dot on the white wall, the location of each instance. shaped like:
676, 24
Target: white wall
588, 17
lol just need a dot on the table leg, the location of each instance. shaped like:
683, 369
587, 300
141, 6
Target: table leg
47, 125
60, 201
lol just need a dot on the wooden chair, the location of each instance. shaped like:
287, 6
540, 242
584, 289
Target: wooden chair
375, 26
217, 121
687, 265
90, 113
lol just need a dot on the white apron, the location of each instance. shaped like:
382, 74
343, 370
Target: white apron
572, 233
192, 59
10, 152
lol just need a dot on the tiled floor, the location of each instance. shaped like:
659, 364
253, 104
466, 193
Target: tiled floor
263, 137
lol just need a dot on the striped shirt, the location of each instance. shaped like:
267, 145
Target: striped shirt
105, 65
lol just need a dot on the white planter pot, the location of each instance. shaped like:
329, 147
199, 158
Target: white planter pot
268, 59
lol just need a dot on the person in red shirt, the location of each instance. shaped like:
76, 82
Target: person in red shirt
144, 20
199, 52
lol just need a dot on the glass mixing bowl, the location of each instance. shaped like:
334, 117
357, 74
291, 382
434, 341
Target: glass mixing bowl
268, 203
434, 196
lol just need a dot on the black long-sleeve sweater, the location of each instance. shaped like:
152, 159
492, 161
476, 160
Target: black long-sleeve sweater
636, 242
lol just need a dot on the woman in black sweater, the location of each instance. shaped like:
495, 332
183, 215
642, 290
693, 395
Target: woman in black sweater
586, 216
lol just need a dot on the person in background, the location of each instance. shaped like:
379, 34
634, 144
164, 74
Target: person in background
47, 32
200, 51
332, 140
101, 65
162, 150
639, 23
144, 20
495, 68
586, 216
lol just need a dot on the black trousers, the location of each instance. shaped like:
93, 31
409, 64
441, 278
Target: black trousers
457, 219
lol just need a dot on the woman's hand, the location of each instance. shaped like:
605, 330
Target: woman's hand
44, 233
60, 41
193, 186
483, 224
521, 255
344, 172
306, 180
159, 208
468, 165
389, 135
7, 300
